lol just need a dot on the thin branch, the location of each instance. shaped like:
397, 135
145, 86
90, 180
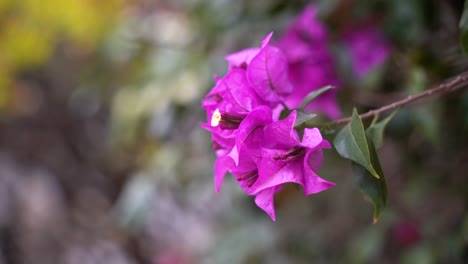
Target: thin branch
443, 88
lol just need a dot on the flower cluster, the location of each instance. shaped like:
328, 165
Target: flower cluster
251, 142
367, 47
311, 65
261, 151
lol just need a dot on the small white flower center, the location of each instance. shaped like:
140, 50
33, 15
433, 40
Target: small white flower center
215, 118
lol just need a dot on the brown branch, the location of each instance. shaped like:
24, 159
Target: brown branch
443, 88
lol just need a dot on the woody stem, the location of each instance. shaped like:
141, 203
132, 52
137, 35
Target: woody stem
460, 81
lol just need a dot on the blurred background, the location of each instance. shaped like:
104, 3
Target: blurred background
102, 159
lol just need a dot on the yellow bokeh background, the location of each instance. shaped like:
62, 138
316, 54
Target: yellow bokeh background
31, 29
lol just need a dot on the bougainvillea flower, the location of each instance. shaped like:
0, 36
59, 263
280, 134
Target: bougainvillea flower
273, 155
244, 156
368, 48
249, 138
260, 151
226, 105
310, 75
241, 58
233, 94
268, 73
246, 174
285, 158
310, 63
266, 69
251, 132
305, 37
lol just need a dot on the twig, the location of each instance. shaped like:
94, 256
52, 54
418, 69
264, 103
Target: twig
443, 88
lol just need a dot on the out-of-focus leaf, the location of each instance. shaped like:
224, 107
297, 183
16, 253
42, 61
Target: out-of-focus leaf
376, 131
426, 122
424, 117
464, 29
351, 143
325, 7
303, 117
420, 254
312, 95
365, 246
405, 20
417, 80
373, 188
133, 204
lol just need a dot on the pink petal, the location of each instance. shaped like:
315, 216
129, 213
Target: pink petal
315, 72
234, 155
275, 173
368, 48
312, 182
281, 134
308, 23
224, 138
304, 35
267, 39
265, 200
218, 88
268, 74
222, 166
251, 128
294, 48
314, 159
311, 138
247, 163
237, 59
240, 90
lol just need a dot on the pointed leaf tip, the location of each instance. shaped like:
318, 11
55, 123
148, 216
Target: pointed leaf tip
303, 117
376, 131
374, 190
351, 143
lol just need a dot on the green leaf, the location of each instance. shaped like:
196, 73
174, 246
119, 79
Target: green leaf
311, 96
351, 143
374, 189
376, 131
464, 29
303, 117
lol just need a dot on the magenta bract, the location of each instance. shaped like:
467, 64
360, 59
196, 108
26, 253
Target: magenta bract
260, 151
367, 47
310, 64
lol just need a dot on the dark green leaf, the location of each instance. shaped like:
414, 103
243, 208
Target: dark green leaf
303, 117
374, 189
376, 131
464, 28
351, 143
311, 96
